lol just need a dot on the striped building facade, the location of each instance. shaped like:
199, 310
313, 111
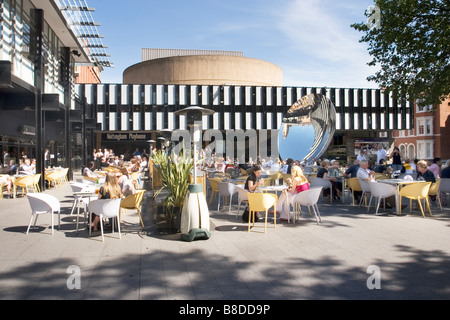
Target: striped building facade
151, 107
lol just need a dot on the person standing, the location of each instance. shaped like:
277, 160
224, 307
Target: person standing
381, 154
396, 159
47, 158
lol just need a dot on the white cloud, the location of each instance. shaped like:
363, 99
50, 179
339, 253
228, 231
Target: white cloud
327, 48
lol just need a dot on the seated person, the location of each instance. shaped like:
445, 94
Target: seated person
6, 181
298, 183
126, 184
87, 171
110, 190
424, 173
144, 163
353, 169
335, 172
407, 168
13, 167
26, 168
323, 173
445, 173
365, 174
381, 167
253, 181
389, 172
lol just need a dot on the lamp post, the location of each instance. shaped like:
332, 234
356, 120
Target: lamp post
195, 215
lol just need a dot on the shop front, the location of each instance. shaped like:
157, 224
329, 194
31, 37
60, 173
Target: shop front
126, 143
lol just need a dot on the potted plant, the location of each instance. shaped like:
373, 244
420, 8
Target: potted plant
175, 176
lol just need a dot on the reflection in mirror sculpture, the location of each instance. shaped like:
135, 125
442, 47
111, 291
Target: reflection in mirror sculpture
307, 128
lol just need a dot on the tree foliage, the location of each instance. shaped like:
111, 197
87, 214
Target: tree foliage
410, 41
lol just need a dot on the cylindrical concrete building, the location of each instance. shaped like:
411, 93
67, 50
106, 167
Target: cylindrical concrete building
205, 70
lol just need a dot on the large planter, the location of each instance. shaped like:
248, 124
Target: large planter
168, 222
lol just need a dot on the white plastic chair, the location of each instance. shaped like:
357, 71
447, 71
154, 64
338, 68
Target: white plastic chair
308, 198
380, 191
324, 183
43, 203
365, 187
242, 197
444, 187
105, 209
226, 189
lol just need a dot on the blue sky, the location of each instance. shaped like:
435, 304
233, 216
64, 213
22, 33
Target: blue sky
311, 40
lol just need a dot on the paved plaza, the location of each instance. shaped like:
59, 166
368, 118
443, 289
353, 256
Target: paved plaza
351, 255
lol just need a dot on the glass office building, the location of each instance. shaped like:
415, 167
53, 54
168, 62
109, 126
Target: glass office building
41, 42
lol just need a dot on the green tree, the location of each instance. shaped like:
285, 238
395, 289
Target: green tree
410, 41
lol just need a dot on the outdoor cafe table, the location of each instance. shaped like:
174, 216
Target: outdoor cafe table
276, 189
84, 196
398, 183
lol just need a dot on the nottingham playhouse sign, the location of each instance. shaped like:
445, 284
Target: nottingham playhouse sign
126, 136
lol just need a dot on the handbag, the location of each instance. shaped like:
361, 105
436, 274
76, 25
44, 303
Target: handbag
246, 215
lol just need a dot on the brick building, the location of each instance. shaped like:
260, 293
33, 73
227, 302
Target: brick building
430, 137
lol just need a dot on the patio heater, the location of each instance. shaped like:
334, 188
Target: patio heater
195, 215
150, 164
151, 142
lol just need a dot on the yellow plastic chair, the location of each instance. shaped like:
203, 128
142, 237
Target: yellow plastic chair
52, 177
37, 178
353, 185
133, 202
25, 183
64, 173
214, 183
275, 176
260, 202
434, 191
416, 191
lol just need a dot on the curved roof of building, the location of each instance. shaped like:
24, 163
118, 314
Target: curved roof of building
205, 70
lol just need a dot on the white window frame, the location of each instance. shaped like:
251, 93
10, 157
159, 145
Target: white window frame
422, 149
424, 121
420, 109
411, 155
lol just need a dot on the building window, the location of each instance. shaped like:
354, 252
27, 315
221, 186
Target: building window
420, 108
425, 149
402, 149
425, 126
411, 151
420, 127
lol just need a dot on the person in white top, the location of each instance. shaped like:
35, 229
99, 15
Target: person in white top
364, 173
381, 154
361, 156
144, 163
27, 168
